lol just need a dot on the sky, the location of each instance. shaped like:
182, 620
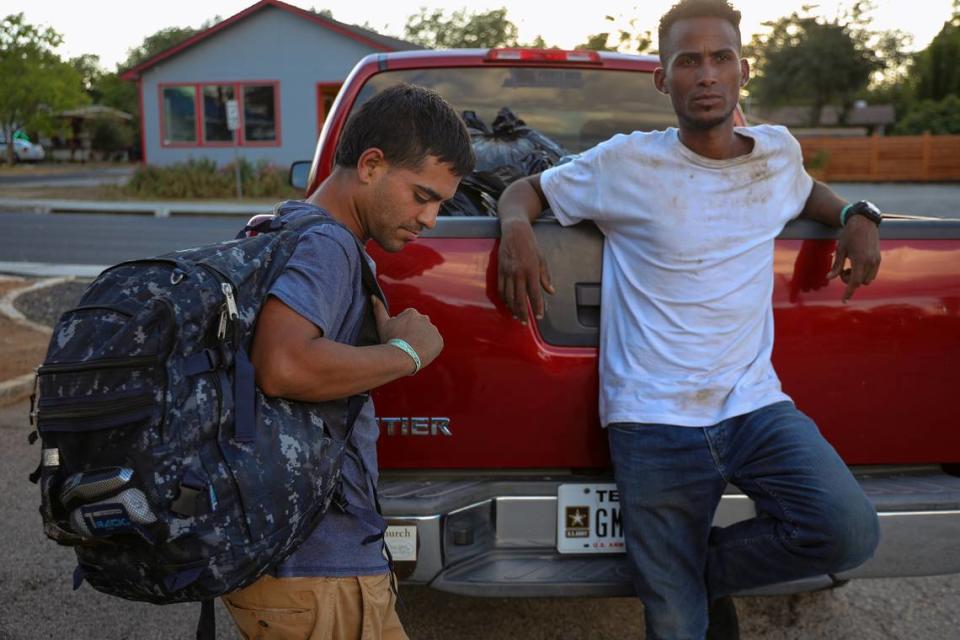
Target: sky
109, 28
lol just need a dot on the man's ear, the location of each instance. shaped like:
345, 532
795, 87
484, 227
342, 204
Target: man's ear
744, 72
660, 80
370, 163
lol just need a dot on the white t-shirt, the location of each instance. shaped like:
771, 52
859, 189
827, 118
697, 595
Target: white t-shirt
686, 326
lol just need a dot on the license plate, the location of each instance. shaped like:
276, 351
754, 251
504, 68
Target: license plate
588, 519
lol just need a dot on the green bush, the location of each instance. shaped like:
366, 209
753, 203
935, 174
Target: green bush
936, 116
202, 178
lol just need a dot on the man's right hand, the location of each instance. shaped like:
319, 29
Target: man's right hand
522, 269
413, 327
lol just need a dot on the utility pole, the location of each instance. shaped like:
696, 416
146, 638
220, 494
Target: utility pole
233, 123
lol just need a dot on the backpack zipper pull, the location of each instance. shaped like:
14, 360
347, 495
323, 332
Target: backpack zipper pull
231, 303
230, 311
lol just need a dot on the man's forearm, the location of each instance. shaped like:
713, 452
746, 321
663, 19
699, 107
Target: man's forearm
325, 370
823, 205
522, 200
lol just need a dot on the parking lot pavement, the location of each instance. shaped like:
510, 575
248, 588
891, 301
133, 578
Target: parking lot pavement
35, 587
936, 200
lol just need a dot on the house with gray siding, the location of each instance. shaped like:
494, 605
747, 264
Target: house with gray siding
282, 64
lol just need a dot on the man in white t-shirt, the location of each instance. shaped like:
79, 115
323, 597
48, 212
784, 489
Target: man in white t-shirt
687, 389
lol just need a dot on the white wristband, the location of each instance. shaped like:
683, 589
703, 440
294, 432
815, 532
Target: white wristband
404, 346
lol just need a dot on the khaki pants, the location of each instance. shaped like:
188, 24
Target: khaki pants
356, 608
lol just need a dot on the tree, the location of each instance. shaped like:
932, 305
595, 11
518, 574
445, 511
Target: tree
155, 43
91, 73
939, 117
935, 71
809, 60
626, 39
461, 29
36, 82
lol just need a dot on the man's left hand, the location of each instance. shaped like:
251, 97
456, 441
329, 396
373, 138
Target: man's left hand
859, 243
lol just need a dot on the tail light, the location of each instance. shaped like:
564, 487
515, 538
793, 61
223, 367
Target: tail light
542, 55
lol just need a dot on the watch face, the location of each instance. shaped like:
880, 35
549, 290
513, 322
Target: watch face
867, 209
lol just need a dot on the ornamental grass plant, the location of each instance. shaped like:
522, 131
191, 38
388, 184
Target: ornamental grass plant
202, 178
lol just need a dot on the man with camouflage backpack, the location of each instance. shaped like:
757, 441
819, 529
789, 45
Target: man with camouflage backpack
399, 157
176, 479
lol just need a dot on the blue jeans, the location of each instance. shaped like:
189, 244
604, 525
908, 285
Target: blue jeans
813, 518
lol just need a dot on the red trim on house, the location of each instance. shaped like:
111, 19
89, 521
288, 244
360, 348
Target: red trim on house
135, 72
240, 135
321, 112
143, 129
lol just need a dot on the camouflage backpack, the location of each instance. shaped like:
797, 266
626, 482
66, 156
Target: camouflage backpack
172, 476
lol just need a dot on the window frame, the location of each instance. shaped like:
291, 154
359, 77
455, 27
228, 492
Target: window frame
199, 116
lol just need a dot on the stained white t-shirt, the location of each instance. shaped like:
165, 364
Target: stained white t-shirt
686, 329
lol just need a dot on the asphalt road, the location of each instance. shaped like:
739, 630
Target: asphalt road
80, 238
38, 602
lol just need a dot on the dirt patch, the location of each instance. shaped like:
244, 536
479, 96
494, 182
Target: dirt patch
8, 283
22, 349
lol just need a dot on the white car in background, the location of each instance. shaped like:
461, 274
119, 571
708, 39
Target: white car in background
26, 151
23, 150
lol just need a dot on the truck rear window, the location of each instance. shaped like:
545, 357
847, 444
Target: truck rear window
577, 108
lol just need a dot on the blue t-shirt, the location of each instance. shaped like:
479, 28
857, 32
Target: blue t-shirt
322, 282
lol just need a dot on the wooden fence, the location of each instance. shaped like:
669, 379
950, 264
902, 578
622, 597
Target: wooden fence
925, 158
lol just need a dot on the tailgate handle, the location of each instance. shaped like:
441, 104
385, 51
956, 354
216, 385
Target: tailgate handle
588, 294
588, 304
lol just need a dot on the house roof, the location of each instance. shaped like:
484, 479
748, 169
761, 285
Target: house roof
362, 35
95, 111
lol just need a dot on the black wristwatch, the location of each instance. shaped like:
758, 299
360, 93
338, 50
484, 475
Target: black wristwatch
861, 208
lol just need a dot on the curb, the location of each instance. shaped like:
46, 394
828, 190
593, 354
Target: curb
20, 387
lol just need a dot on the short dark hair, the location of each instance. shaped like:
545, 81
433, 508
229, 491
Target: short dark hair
408, 123
697, 9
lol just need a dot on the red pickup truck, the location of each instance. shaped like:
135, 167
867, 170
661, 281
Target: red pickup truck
483, 451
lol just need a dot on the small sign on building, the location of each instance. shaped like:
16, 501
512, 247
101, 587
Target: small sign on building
233, 115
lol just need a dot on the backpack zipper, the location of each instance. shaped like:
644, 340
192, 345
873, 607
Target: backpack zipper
92, 365
112, 406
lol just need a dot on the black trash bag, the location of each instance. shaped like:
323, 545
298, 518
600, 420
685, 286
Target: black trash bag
507, 152
510, 149
472, 199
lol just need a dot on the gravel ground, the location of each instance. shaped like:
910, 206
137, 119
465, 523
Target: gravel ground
46, 305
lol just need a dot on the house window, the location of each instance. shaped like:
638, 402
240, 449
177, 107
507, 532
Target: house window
179, 114
196, 114
259, 113
215, 98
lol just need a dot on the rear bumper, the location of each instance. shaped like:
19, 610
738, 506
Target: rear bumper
497, 536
